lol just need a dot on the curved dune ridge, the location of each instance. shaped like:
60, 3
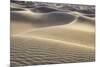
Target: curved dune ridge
42, 19
54, 40
51, 38
63, 34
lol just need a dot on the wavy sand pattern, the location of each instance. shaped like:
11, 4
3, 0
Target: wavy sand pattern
52, 37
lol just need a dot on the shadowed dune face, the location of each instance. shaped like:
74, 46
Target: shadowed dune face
45, 35
43, 9
59, 17
23, 16
86, 20
42, 19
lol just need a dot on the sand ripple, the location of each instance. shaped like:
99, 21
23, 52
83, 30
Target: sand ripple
32, 51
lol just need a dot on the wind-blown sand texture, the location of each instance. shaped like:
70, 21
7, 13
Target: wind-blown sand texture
51, 36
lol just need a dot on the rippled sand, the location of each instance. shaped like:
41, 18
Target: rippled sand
36, 39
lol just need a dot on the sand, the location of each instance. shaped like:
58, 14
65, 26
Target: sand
35, 51
39, 38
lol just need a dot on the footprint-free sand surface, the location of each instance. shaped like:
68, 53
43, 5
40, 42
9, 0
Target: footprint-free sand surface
39, 38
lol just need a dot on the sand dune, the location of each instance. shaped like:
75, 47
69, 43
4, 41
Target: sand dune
52, 18
43, 9
37, 20
52, 45
50, 36
14, 5
72, 35
33, 51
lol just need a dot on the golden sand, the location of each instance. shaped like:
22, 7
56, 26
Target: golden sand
35, 43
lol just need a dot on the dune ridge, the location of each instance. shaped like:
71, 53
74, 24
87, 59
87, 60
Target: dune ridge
54, 40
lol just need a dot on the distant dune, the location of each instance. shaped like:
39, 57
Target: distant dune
43, 9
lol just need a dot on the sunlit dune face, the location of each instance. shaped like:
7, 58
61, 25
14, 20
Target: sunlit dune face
19, 27
82, 27
54, 40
